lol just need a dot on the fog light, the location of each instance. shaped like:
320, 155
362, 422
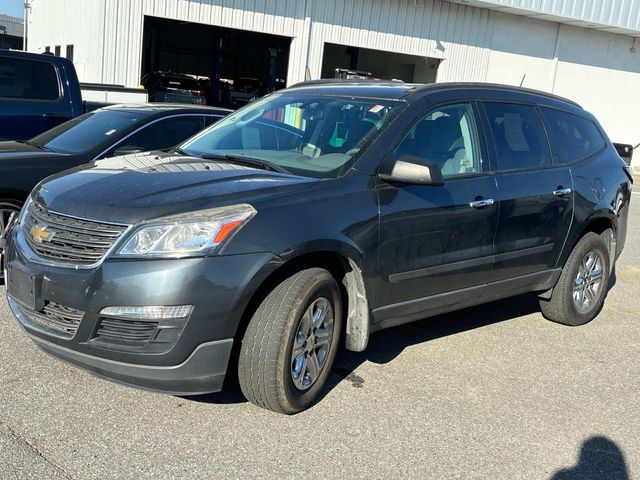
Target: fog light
157, 312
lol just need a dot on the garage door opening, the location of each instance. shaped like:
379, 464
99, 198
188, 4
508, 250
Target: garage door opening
377, 64
230, 67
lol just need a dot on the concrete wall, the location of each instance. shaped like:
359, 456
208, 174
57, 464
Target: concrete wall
600, 70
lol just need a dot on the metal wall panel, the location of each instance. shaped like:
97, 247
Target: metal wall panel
623, 14
457, 34
109, 50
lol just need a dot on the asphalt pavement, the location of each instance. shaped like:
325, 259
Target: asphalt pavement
494, 392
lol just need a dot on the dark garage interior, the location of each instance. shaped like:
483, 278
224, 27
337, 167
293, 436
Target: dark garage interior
378, 63
246, 64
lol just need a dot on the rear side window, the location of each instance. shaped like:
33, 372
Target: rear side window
163, 134
572, 137
211, 119
519, 136
28, 80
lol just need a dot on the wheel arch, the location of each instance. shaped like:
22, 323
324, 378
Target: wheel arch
598, 223
344, 262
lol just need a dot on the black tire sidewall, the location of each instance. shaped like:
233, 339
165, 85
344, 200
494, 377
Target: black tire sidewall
322, 285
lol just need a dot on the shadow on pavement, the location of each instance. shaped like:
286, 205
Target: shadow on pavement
600, 459
384, 346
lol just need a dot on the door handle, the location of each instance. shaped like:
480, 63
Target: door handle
561, 192
52, 115
486, 202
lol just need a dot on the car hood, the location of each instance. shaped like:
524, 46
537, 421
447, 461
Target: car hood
15, 150
139, 187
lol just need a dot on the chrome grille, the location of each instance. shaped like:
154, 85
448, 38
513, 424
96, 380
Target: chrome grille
57, 318
67, 239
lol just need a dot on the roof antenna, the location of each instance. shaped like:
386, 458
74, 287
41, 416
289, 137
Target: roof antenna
523, 77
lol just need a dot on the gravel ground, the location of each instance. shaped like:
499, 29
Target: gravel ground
493, 392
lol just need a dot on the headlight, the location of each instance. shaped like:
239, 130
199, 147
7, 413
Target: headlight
188, 234
23, 212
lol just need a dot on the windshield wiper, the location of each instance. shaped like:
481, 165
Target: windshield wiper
179, 151
248, 161
28, 142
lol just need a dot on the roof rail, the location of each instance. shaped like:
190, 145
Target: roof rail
339, 81
496, 86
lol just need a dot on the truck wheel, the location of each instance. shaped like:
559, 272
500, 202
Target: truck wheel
579, 294
291, 342
7, 208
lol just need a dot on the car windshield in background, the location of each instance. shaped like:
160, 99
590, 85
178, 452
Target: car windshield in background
86, 132
317, 136
180, 83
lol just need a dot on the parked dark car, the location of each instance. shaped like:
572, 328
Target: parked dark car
108, 132
174, 88
321, 212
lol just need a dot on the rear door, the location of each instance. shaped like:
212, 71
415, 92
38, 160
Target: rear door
31, 98
535, 196
436, 242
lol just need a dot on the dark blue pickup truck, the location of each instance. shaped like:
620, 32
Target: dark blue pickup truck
37, 93
41, 91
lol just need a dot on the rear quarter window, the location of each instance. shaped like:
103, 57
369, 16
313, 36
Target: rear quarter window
572, 137
28, 80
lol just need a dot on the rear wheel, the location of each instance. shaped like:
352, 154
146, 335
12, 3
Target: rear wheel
581, 290
7, 208
291, 342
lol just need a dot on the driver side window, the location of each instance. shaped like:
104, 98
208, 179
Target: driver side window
445, 136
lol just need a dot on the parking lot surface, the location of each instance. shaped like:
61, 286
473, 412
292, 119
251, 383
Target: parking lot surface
491, 392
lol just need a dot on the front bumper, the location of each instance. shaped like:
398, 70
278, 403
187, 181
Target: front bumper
202, 372
194, 361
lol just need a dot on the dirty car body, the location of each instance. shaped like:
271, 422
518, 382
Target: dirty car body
293, 198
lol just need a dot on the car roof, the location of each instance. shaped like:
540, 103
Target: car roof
162, 108
399, 90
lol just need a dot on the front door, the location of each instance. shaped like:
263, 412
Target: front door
436, 242
535, 198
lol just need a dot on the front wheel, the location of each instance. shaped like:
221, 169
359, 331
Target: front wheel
291, 342
7, 208
579, 294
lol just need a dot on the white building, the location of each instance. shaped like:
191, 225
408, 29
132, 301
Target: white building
587, 50
11, 32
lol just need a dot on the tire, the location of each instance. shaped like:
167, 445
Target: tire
6, 207
562, 307
267, 364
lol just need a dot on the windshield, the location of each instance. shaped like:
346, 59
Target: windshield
179, 83
317, 136
86, 132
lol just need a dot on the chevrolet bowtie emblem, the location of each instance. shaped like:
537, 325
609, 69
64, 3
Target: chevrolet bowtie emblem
40, 234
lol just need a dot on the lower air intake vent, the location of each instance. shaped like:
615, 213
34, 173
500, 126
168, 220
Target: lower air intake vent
125, 331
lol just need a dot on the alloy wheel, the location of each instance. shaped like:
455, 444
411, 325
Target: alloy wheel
588, 282
6, 210
312, 343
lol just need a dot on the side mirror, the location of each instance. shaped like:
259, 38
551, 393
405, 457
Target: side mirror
625, 152
127, 150
414, 170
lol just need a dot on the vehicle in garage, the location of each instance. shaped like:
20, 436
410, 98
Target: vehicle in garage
39, 92
174, 88
325, 210
245, 90
107, 132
